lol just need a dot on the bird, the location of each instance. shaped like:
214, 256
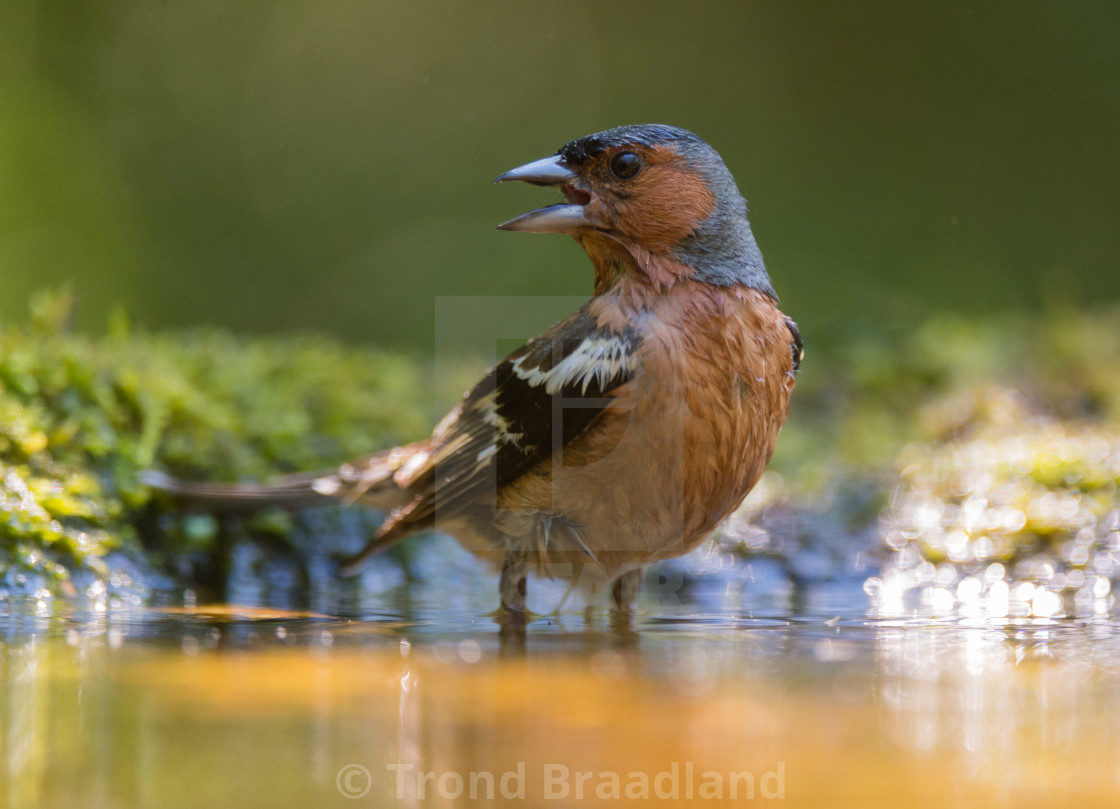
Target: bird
627, 432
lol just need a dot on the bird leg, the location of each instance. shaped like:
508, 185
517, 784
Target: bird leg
625, 589
512, 585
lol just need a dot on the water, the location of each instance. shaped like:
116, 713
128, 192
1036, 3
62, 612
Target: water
399, 702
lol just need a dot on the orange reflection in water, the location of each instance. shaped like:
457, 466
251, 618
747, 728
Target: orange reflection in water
277, 712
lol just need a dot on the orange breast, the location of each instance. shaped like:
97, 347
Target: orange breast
689, 436
736, 374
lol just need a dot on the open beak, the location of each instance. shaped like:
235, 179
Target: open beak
564, 217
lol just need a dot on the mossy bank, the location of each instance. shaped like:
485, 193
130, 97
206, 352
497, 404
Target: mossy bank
81, 417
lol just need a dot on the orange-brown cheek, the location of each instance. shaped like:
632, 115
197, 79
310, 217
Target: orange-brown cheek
667, 204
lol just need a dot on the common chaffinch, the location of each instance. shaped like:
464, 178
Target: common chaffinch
625, 433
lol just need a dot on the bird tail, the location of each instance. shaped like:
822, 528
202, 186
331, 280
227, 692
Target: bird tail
294, 492
369, 481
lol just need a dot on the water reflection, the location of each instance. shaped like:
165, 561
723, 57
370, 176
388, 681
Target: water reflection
183, 707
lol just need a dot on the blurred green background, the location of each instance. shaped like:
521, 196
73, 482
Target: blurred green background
271, 165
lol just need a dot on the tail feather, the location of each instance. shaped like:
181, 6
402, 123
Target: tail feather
369, 482
383, 539
294, 492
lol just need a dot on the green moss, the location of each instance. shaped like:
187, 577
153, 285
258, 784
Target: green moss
862, 397
81, 417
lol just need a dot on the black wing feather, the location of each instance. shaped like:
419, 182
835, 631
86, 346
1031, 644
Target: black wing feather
526, 408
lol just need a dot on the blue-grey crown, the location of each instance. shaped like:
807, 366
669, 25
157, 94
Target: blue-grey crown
576, 151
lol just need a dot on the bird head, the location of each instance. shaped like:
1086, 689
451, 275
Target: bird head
652, 187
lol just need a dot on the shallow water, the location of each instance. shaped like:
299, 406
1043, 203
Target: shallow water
816, 706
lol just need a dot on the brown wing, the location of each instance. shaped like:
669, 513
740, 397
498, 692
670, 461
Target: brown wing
526, 408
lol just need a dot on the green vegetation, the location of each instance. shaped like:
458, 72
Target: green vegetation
866, 395
81, 417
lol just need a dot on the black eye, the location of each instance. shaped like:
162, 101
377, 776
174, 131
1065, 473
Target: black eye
625, 165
